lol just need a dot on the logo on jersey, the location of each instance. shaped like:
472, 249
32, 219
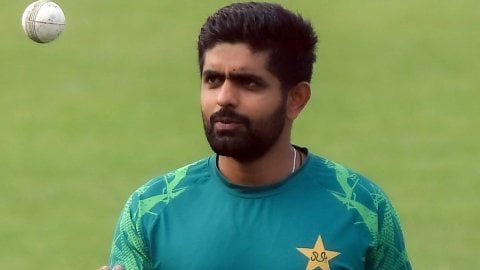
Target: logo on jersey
318, 256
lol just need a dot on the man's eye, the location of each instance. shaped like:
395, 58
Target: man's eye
251, 84
213, 81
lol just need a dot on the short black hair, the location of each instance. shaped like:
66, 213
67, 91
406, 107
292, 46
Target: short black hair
288, 37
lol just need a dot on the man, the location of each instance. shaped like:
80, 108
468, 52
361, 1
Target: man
259, 202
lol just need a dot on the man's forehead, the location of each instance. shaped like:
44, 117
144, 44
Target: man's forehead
235, 57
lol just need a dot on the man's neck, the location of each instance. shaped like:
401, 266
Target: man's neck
272, 167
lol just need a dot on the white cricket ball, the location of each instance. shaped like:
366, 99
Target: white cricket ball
43, 21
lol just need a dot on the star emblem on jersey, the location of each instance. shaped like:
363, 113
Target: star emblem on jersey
318, 256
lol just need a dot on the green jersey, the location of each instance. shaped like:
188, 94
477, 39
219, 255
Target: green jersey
322, 216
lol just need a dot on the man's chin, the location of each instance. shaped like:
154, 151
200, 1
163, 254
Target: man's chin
237, 150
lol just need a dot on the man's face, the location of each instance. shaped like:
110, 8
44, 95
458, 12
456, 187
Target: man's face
243, 108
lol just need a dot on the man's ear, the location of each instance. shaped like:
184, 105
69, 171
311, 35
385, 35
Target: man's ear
297, 98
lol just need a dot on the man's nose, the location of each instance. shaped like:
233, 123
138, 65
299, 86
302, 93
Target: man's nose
227, 95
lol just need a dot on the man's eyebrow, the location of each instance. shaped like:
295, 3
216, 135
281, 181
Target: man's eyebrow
238, 77
245, 77
209, 73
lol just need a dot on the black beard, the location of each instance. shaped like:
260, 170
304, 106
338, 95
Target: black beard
249, 142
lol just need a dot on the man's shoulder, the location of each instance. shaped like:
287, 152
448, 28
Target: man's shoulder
177, 179
160, 191
345, 182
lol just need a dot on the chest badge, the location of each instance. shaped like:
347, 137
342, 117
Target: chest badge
318, 256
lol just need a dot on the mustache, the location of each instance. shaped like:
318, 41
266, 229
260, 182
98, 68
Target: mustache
227, 115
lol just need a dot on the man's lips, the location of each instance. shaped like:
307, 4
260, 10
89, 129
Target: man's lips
226, 123
226, 126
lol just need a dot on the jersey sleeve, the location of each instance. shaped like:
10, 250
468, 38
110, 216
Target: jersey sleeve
388, 252
129, 248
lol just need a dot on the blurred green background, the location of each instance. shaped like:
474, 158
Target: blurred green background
86, 119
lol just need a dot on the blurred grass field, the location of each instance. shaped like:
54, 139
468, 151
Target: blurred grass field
113, 102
